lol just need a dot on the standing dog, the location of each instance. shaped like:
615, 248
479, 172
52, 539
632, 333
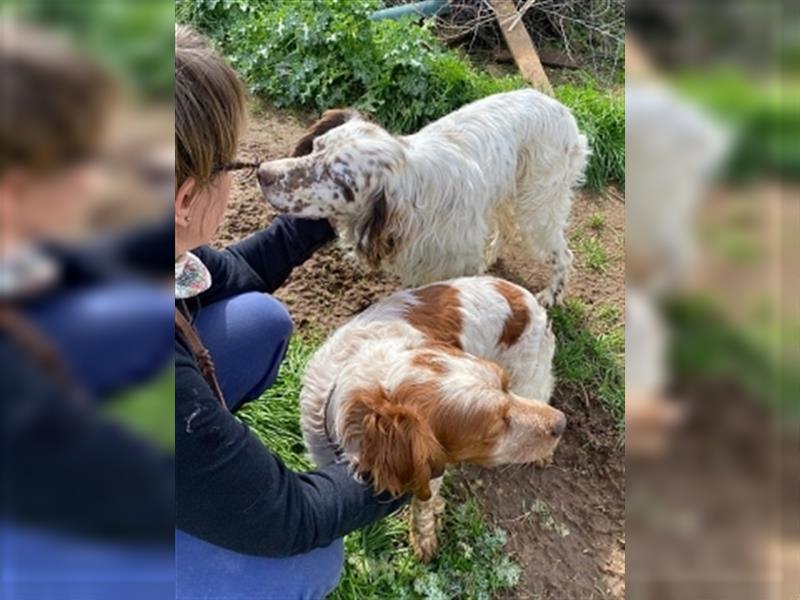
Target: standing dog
458, 371
442, 202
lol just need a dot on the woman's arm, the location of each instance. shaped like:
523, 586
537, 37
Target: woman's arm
263, 261
232, 492
67, 467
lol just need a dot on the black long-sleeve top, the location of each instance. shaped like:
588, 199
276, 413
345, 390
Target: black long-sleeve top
63, 464
230, 489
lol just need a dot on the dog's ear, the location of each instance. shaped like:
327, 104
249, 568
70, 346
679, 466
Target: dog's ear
377, 236
398, 449
330, 119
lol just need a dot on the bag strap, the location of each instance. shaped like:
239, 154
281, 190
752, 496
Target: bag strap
200, 354
38, 347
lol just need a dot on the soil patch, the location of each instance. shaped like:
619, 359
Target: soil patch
566, 523
709, 517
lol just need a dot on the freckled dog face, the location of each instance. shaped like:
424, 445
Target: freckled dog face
337, 178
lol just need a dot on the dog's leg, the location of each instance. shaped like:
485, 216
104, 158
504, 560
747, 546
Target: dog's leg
543, 212
560, 262
425, 518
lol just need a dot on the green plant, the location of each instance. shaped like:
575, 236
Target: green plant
757, 355
318, 54
601, 117
595, 361
608, 315
761, 115
380, 563
596, 221
470, 562
544, 513
593, 253
133, 39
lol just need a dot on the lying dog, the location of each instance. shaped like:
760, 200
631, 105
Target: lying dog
442, 202
458, 371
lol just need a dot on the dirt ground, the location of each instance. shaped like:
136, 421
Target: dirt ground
566, 524
709, 518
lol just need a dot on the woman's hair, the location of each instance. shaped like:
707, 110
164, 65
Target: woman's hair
210, 108
55, 101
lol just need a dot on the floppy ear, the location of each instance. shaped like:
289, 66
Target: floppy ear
398, 448
329, 120
377, 235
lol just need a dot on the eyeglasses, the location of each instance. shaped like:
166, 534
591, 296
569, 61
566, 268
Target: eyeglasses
239, 165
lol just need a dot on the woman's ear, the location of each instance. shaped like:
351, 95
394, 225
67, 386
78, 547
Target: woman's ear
183, 202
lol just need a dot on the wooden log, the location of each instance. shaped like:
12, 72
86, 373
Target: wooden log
521, 46
549, 58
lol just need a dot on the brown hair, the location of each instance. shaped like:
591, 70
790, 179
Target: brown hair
56, 102
210, 108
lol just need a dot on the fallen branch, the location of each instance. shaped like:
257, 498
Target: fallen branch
521, 46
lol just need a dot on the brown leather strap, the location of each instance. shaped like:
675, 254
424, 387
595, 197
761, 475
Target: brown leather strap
200, 353
38, 347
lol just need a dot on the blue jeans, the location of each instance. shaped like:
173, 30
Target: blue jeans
38, 563
247, 337
112, 336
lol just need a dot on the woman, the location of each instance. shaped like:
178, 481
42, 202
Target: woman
86, 505
248, 527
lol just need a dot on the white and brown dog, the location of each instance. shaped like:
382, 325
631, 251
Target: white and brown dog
454, 372
442, 202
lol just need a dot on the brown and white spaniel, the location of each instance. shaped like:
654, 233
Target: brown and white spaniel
442, 202
454, 372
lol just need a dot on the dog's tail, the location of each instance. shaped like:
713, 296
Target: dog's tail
578, 155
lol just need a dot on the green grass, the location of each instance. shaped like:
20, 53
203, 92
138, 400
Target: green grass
379, 564
148, 410
275, 416
470, 563
762, 113
601, 117
608, 315
761, 355
596, 221
593, 360
592, 253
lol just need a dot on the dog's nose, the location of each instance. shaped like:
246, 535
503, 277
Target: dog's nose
266, 177
559, 426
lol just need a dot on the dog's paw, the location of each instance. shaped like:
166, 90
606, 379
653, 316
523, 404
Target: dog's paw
545, 298
425, 547
543, 463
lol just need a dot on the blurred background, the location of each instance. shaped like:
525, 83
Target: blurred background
712, 312
86, 308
